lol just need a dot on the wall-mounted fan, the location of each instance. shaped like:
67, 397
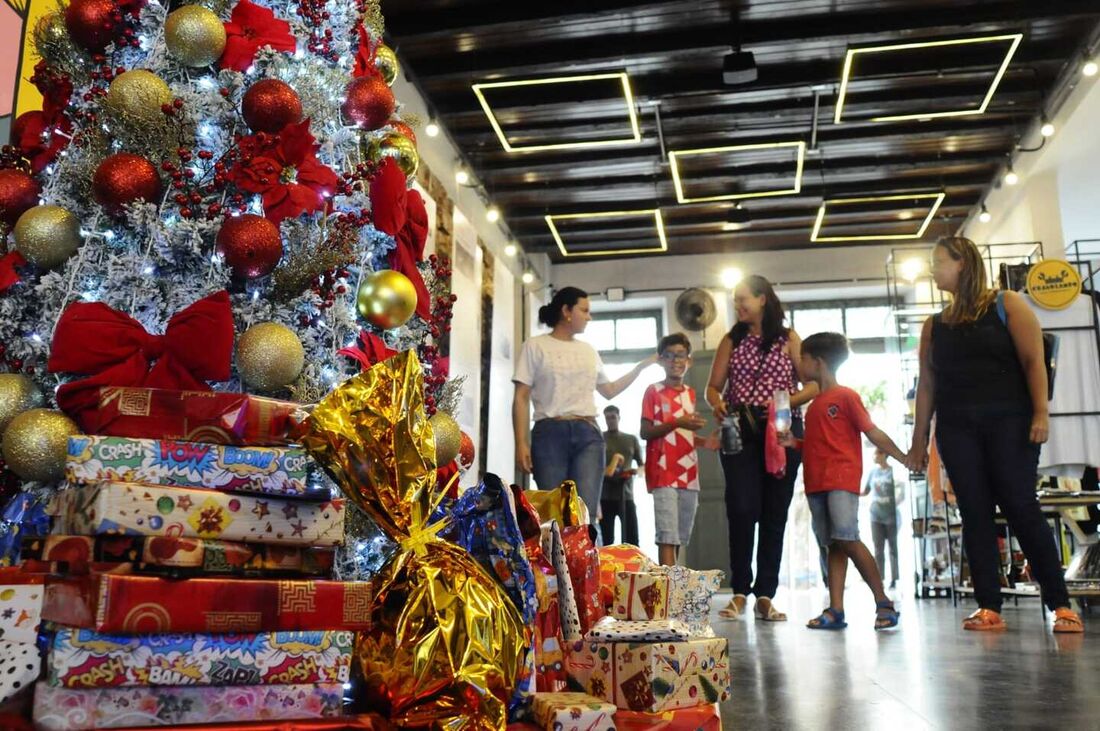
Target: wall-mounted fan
695, 310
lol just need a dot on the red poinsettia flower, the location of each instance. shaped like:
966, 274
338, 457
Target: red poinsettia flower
368, 350
364, 58
284, 169
42, 135
250, 28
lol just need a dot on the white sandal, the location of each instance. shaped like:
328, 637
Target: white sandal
735, 609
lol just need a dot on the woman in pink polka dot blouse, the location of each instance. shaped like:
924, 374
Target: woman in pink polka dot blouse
758, 357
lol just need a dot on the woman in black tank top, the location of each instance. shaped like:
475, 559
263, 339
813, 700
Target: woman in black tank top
983, 375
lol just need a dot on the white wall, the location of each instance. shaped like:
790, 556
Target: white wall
466, 330
501, 458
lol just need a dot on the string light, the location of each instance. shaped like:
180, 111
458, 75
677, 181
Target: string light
528, 277
510, 250
1090, 68
985, 216
462, 177
1011, 178
492, 215
1047, 129
432, 129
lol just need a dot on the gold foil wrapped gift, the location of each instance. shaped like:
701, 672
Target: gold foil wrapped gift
446, 645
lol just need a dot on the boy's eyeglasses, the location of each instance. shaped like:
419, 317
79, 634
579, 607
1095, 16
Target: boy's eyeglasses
675, 357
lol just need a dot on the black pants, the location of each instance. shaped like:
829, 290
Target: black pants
753, 497
991, 462
628, 518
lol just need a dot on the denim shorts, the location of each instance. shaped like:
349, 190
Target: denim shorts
835, 516
674, 514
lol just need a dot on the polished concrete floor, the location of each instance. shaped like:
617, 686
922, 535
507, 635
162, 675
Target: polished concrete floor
928, 673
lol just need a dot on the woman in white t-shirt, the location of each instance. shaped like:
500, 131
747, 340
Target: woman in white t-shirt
559, 375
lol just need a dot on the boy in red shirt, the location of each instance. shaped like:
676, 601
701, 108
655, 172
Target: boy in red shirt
832, 468
669, 423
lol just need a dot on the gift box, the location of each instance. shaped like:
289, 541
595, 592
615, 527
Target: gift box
195, 416
149, 604
365, 722
572, 712
610, 629
583, 557
85, 659
178, 557
547, 643
689, 596
122, 508
652, 677
170, 463
21, 597
64, 709
20, 666
613, 559
553, 547
640, 596
700, 718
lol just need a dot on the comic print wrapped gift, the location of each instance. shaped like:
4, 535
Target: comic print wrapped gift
264, 470
63, 709
640, 596
212, 417
652, 677
572, 712
700, 718
148, 604
610, 629
122, 508
85, 659
180, 557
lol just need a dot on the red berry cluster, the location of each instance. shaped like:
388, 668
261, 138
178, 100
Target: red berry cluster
358, 179
328, 286
194, 189
15, 365
12, 158
320, 41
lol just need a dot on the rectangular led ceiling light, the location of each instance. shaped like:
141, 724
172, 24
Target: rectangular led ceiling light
934, 199
1012, 41
678, 178
582, 249
632, 135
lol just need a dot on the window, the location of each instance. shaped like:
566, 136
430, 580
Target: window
807, 322
624, 332
868, 322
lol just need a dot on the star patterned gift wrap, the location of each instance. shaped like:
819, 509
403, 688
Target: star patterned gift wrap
63, 709
265, 470
640, 596
572, 712
152, 605
652, 677
85, 659
111, 508
21, 597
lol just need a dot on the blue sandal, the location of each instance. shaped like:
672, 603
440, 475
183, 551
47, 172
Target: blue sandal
830, 618
886, 619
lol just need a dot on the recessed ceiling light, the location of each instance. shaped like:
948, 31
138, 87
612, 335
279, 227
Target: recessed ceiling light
1047, 130
528, 277
462, 177
492, 215
510, 250
911, 269
731, 277
432, 129
1090, 68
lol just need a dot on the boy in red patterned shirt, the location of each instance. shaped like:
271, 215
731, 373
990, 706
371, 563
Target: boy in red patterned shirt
669, 424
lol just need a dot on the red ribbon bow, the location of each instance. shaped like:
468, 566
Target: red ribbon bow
368, 350
400, 212
115, 350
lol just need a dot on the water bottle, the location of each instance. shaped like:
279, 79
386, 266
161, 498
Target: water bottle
731, 435
782, 411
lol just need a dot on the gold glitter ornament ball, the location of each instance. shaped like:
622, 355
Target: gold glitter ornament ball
386, 299
448, 438
139, 93
194, 36
18, 393
46, 236
270, 356
385, 60
401, 149
36, 444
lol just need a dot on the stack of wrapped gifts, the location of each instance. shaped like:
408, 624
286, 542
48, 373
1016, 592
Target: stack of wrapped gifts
191, 556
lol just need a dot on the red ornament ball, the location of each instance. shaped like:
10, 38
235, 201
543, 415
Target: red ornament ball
369, 102
269, 105
18, 194
403, 129
91, 23
251, 245
466, 452
124, 178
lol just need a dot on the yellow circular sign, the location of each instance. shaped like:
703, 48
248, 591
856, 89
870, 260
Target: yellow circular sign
1054, 284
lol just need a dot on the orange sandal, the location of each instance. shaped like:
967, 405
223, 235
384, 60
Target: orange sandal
985, 620
1067, 621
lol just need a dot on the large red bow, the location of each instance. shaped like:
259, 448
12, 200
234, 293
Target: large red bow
369, 349
115, 350
400, 212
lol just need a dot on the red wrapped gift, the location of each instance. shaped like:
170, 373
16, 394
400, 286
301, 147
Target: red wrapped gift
369, 722
546, 636
149, 605
700, 718
198, 416
584, 570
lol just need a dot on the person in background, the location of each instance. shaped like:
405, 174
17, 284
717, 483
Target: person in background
983, 374
559, 374
884, 514
758, 357
617, 499
833, 465
669, 424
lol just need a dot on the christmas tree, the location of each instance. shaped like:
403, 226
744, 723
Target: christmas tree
193, 163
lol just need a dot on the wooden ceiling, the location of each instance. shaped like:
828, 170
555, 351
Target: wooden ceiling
673, 50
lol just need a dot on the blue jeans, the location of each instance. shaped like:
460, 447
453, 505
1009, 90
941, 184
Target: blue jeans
569, 449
